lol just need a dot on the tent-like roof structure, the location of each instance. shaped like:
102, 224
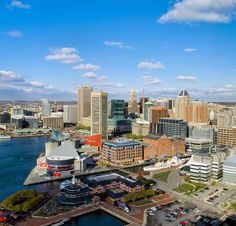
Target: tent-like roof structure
66, 150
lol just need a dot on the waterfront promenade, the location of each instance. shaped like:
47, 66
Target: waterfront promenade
135, 217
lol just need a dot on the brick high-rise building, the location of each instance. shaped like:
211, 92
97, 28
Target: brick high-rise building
226, 136
156, 114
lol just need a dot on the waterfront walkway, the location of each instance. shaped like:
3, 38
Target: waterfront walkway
45, 221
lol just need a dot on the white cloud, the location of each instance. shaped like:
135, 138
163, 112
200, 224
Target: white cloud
87, 67
150, 65
89, 75
147, 79
214, 11
189, 50
7, 74
229, 86
112, 85
92, 75
101, 78
113, 43
37, 84
13, 33
18, 4
65, 55
186, 78
118, 44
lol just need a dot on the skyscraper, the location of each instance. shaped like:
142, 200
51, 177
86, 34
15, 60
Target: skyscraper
183, 100
70, 114
99, 113
133, 106
147, 111
118, 109
197, 112
84, 102
45, 108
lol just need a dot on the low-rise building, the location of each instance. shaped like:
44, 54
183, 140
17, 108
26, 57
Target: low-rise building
122, 151
140, 128
196, 145
160, 147
53, 122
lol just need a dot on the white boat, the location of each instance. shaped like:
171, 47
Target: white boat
174, 161
4, 137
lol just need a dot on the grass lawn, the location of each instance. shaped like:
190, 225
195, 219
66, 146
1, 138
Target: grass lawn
141, 202
162, 176
185, 188
232, 206
189, 188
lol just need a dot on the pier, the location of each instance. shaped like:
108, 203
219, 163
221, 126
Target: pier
34, 178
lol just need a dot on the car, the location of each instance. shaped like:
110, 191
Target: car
159, 207
181, 214
206, 220
151, 214
198, 217
183, 222
153, 208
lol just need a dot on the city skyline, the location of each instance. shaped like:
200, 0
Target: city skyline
117, 46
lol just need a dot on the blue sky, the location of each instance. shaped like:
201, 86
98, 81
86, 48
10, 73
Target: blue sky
49, 48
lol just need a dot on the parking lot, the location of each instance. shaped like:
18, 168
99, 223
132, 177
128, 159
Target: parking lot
179, 214
216, 195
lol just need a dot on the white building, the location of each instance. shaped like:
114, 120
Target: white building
70, 114
206, 166
45, 108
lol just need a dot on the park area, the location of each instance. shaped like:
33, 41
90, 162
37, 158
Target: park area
163, 176
189, 188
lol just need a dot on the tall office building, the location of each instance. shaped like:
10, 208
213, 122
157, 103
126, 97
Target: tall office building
147, 111
84, 102
197, 112
99, 113
70, 114
45, 108
142, 101
118, 109
133, 105
183, 100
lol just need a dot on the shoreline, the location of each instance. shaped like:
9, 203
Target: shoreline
28, 136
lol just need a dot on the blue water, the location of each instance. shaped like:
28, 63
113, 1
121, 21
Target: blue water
98, 218
17, 158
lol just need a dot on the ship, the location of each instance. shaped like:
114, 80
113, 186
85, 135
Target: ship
172, 162
4, 137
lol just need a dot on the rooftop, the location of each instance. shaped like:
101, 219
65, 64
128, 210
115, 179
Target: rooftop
121, 142
67, 149
231, 159
183, 93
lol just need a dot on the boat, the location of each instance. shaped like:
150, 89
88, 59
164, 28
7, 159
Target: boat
5, 137
172, 162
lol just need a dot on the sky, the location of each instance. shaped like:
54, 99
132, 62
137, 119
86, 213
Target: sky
49, 48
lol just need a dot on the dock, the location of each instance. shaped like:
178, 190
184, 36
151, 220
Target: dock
34, 178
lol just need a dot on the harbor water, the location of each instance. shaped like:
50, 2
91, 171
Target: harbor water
17, 158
